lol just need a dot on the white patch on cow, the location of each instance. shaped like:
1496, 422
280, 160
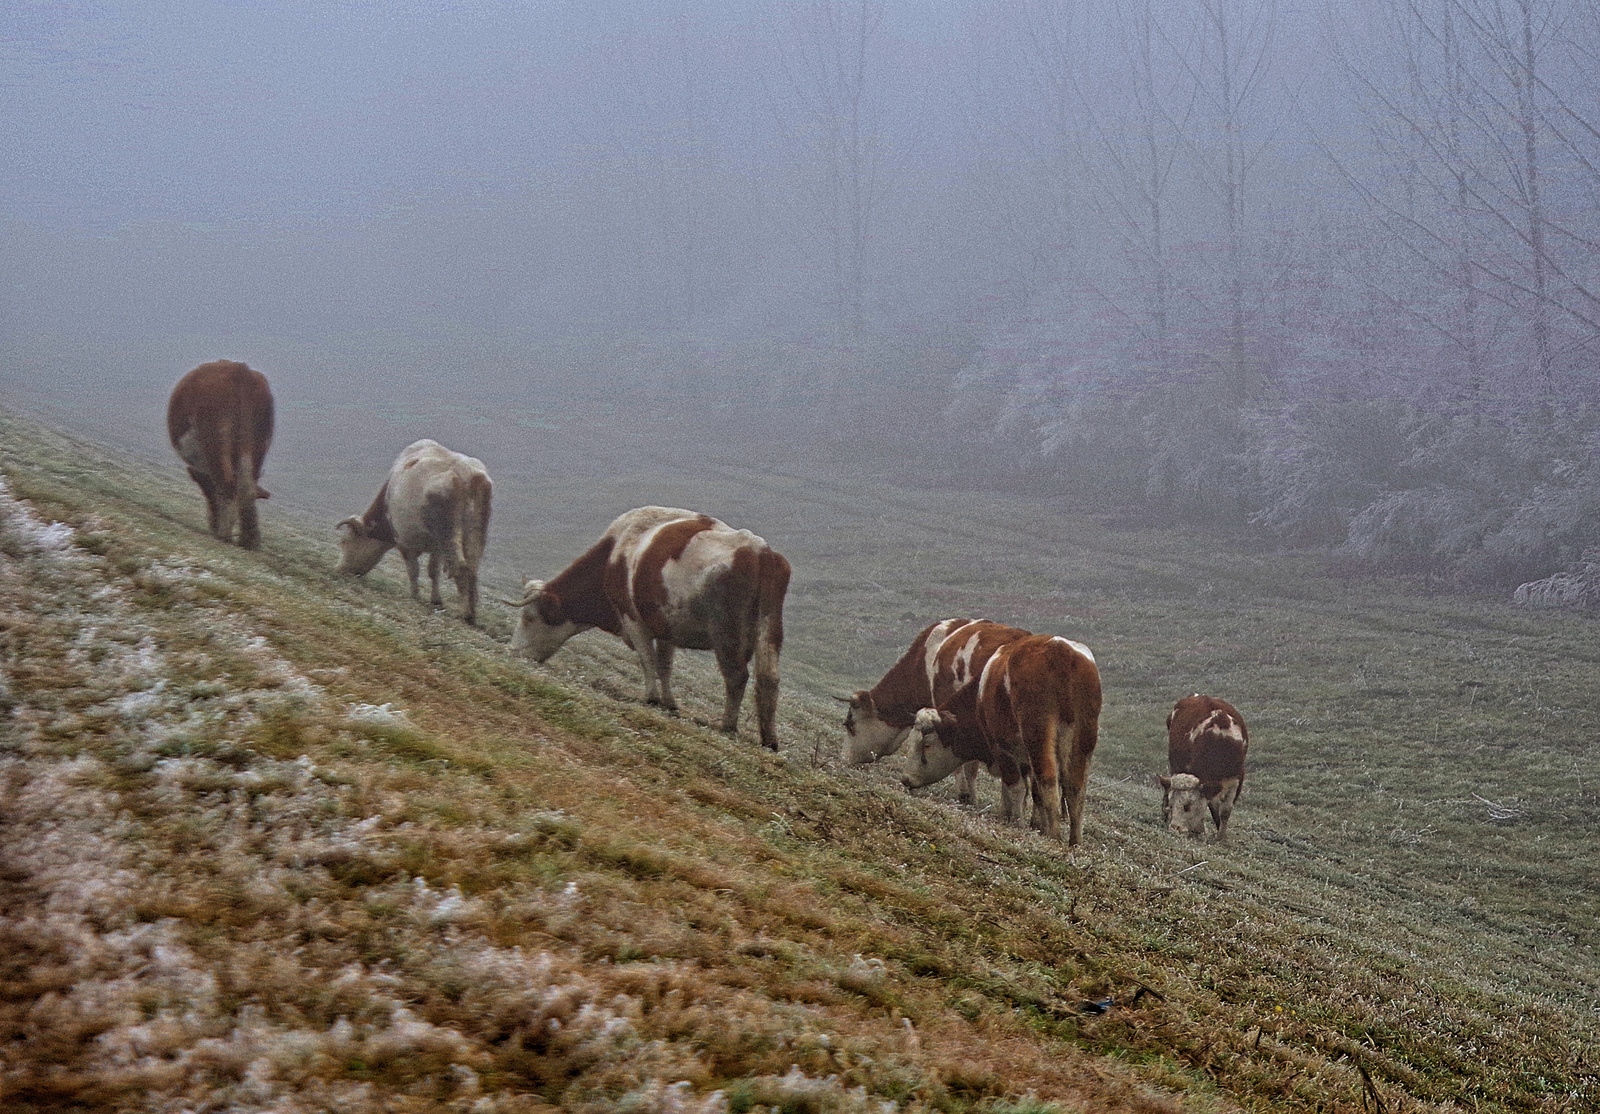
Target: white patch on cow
1078, 646
937, 637
189, 450
1210, 724
961, 664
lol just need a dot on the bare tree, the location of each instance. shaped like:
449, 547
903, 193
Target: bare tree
1228, 57
826, 54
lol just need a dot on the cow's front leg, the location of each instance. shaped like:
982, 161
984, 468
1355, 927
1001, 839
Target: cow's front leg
967, 784
644, 645
664, 653
433, 575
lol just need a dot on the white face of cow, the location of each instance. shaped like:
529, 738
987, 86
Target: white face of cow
358, 554
1183, 805
868, 738
930, 759
542, 626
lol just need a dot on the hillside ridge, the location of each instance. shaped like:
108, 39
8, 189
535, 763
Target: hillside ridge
277, 841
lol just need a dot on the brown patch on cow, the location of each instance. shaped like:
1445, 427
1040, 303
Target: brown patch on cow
375, 523
224, 410
647, 602
583, 589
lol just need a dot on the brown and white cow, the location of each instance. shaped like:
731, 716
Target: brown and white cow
663, 580
435, 501
219, 420
1033, 719
1206, 744
943, 658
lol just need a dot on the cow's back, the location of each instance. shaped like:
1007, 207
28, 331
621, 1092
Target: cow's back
1207, 737
219, 412
427, 487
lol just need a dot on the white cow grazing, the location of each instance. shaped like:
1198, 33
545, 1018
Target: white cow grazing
435, 501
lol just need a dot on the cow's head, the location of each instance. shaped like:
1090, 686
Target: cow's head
867, 737
542, 624
931, 759
359, 551
1184, 803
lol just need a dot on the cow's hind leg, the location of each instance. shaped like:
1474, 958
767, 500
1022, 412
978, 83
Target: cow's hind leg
1039, 743
735, 678
433, 575
209, 490
249, 524
467, 593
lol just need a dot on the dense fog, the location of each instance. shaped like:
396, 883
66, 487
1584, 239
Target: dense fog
1320, 274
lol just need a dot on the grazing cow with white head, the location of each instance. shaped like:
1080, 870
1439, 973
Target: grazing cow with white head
1206, 744
662, 580
945, 657
219, 420
435, 501
1032, 719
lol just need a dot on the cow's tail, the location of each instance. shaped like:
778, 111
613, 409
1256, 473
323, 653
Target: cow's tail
471, 535
772, 583
1075, 750
251, 434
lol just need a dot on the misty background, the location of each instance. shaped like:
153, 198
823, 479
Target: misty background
1318, 275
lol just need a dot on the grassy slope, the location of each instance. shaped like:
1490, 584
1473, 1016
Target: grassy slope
710, 914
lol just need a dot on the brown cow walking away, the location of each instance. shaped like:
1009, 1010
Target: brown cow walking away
1033, 719
1206, 745
435, 501
219, 419
664, 580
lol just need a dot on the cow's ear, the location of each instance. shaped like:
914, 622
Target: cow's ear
1166, 782
548, 605
357, 527
1210, 788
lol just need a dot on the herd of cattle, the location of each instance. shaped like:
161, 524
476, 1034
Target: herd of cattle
968, 694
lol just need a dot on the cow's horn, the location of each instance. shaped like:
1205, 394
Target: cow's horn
844, 699
530, 589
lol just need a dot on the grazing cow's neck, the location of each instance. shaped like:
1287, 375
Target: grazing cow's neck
376, 522
581, 589
904, 689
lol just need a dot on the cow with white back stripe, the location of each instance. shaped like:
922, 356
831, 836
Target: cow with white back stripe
664, 579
